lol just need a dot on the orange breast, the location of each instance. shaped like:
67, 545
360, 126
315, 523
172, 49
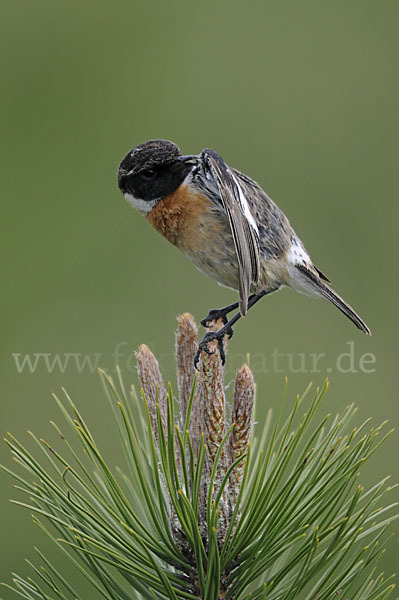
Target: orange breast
185, 218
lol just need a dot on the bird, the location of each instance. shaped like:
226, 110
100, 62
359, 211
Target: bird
227, 225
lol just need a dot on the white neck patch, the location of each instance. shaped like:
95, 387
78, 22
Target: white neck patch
143, 206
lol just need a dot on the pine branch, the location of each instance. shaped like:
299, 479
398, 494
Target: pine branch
205, 510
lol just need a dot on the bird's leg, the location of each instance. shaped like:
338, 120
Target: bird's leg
227, 329
218, 313
221, 313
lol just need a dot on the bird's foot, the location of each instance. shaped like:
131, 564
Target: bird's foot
213, 315
218, 313
210, 337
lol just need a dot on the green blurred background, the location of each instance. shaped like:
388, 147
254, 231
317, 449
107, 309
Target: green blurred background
302, 96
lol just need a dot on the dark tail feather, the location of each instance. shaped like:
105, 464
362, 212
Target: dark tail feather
328, 293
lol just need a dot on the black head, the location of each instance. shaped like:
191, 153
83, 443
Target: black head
152, 171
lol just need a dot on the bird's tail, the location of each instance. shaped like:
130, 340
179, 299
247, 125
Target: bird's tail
322, 289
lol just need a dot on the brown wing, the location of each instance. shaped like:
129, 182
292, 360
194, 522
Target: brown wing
242, 223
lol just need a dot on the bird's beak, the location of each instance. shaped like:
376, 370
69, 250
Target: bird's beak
187, 157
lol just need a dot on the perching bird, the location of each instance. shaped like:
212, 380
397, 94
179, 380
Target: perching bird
226, 224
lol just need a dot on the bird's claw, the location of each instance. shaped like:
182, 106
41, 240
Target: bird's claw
210, 337
213, 315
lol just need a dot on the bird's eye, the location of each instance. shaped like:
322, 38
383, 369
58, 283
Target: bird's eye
148, 174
